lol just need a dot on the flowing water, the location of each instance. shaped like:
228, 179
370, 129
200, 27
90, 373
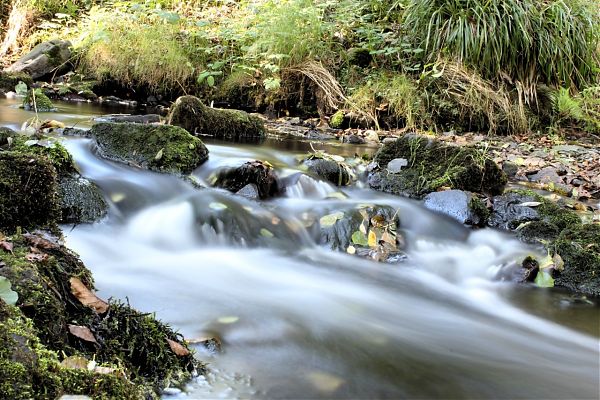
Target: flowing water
297, 320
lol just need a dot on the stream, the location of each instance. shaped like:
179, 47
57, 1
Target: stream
297, 320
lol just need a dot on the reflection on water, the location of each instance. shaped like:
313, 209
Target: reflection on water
299, 321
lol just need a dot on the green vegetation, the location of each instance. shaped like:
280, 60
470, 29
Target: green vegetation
500, 65
37, 101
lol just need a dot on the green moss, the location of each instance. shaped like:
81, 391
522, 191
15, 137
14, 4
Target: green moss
156, 147
8, 80
432, 164
28, 185
579, 247
37, 101
189, 113
538, 232
337, 119
479, 208
133, 342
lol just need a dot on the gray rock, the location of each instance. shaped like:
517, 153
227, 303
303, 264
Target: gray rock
250, 191
509, 212
354, 139
396, 165
456, 204
329, 170
81, 201
510, 168
257, 173
44, 59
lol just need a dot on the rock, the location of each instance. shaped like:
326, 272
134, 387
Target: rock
510, 169
250, 191
156, 147
359, 57
189, 113
329, 170
537, 232
8, 80
433, 165
371, 136
462, 206
81, 201
389, 140
396, 165
579, 247
137, 119
354, 139
28, 186
257, 173
44, 59
37, 101
508, 211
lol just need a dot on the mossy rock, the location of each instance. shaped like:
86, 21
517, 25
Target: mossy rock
328, 169
40, 270
28, 192
433, 165
162, 148
81, 201
258, 173
8, 80
579, 247
37, 101
191, 114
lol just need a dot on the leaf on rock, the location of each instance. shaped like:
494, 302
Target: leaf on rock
331, 219
36, 256
75, 362
351, 250
266, 233
228, 319
87, 297
544, 279
82, 333
177, 348
6, 246
40, 242
559, 264
360, 239
217, 206
530, 204
159, 155
6, 293
372, 241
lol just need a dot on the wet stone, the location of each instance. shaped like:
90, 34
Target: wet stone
456, 204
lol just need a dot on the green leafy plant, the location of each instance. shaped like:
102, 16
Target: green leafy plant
6, 293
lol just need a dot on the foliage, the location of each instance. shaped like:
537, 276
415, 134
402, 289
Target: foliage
582, 109
522, 41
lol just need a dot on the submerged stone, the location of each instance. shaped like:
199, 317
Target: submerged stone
433, 165
191, 114
162, 148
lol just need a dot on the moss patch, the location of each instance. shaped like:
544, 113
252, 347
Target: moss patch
28, 185
8, 80
579, 247
37, 101
432, 165
191, 114
156, 147
133, 342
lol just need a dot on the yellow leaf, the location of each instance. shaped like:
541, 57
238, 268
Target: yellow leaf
351, 250
372, 239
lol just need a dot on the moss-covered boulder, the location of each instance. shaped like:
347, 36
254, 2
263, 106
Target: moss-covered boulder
142, 355
8, 80
191, 114
162, 148
579, 247
37, 101
28, 192
432, 165
81, 201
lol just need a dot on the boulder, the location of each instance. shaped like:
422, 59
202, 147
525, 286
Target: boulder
328, 169
46, 58
464, 207
162, 148
81, 200
191, 114
257, 173
510, 210
28, 187
579, 248
433, 165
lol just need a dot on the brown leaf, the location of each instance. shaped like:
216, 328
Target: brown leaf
178, 348
87, 297
7, 246
82, 332
40, 242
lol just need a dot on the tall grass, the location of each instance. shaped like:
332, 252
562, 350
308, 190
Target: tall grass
526, 41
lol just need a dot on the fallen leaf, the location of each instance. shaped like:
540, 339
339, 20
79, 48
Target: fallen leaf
372, 241
178, 348
7, 246
331, 219
82, 333
229, 319
158, 155
117, 197
6, 293
544, 279
266, 233
75, 362
559, 264
87, 297
36, 257
359, 239
40, 242
530, 204
217, 206
351, 250
325, 382
104, 370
